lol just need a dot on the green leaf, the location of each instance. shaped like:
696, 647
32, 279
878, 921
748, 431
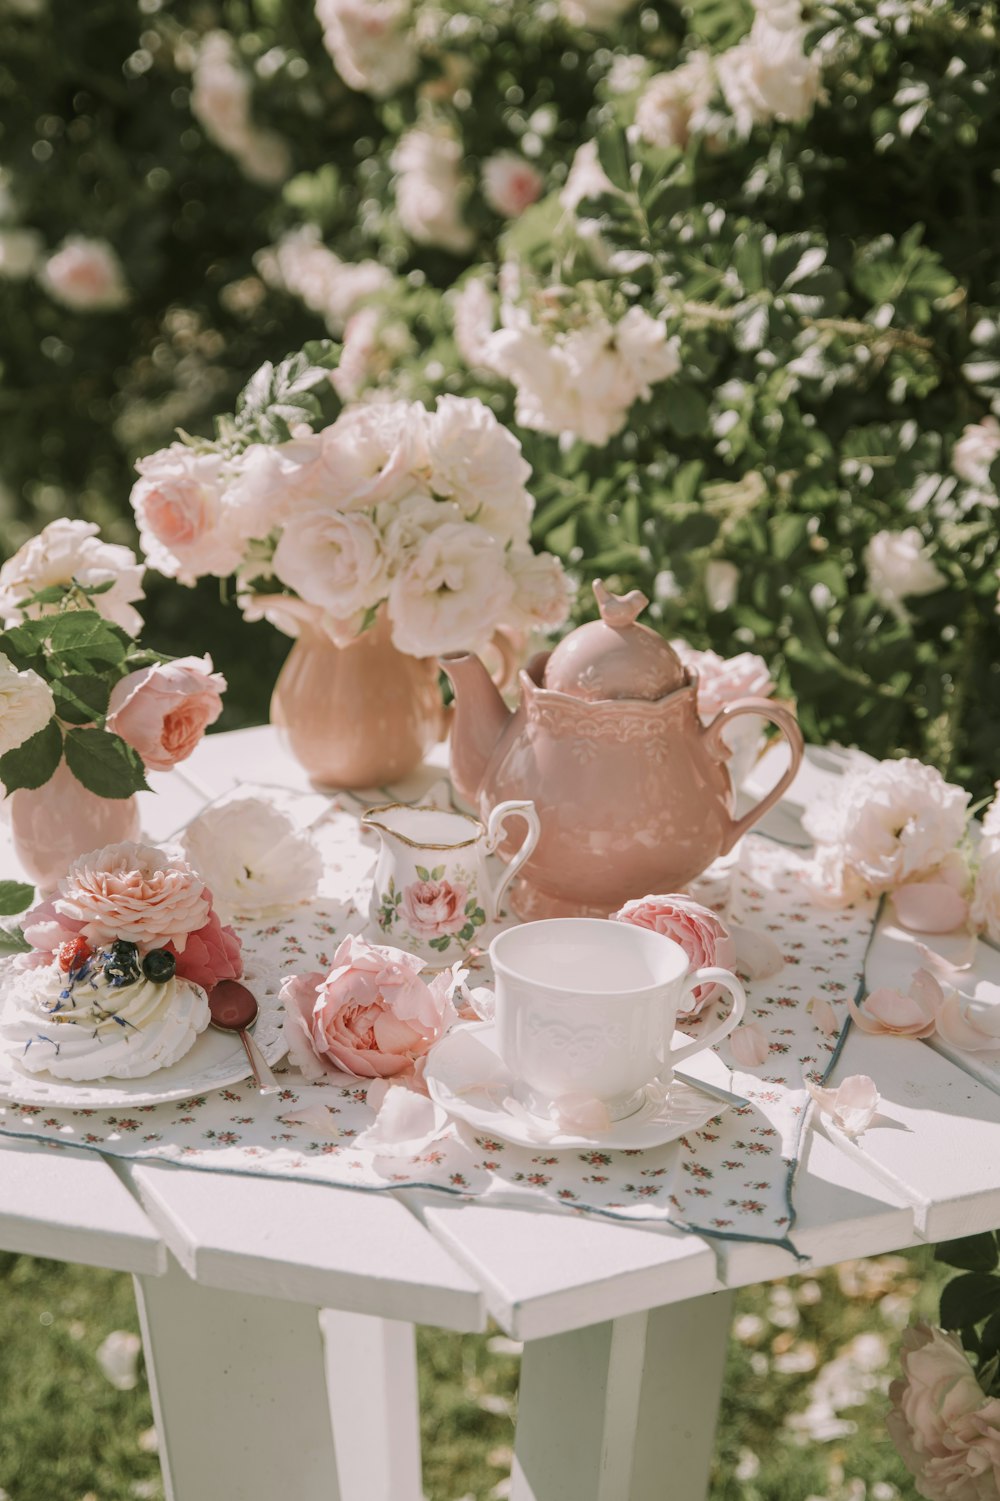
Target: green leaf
81, 698
441, 943
15, 896
973, 1253
437, 872
81, 637
612, 152
31, 764
423, 872
104, 763
470, 906
969, 1299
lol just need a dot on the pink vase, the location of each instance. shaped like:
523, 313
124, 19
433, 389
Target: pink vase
358, 715
53, 824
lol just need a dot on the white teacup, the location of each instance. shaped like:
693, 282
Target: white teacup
586, 1007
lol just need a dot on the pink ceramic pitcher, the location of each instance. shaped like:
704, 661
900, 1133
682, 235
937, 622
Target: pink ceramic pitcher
631, 789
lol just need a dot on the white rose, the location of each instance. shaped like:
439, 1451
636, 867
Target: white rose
185, 528
542, 592
67, 550
985, 909
85, 275
472, 314
768, 76
643, 344
599, 14
976, 451
899, 565
430, 190
510, 183
20, 252
301, 264
371, 43
587, 178
268, 482
670, 102
991, 818
333, 559
372, 453
887, 824
478, 463
722, 584
221, 102
451, 595
252, 857
26, 705
406, 523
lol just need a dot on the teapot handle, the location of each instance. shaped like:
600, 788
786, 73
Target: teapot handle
778, 714
494, 831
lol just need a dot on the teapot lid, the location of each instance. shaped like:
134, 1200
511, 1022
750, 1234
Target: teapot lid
615, 657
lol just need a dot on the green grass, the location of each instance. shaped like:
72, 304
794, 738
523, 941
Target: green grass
67, 1435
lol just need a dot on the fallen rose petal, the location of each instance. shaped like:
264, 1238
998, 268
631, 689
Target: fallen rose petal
930, 907
824, 1016
940, 964
581, 1113
852, 1106
757, 954
891, 1013
969, 1023
405, 1124
318, 1117
749, 1046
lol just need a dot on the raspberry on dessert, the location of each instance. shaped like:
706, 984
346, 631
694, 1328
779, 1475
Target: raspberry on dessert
73, 954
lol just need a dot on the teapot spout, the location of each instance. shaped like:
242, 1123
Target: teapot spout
479, 719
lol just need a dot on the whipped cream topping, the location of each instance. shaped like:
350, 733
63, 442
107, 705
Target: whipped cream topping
87, 1028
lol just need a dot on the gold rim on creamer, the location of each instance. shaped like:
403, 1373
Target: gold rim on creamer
417, 844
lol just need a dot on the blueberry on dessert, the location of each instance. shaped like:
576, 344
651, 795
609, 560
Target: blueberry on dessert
159, 966
121, 964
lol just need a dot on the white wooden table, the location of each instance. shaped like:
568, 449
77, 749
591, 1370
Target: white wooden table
278, 1317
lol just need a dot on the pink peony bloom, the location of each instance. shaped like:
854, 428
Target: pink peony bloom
890, 1013
434, 907
164, 710
946, 1429
211, 954
696, 928
133, 892
371, 1016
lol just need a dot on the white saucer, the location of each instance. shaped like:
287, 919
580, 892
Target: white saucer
466, 1077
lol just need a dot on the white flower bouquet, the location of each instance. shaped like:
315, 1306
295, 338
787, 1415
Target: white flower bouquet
423, 515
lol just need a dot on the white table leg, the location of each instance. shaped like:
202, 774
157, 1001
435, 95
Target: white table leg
623, 1411
239, 1393
371, 1376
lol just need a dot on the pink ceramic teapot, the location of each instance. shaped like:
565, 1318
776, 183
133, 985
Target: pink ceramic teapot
631, 789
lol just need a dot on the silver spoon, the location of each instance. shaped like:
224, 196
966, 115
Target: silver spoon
233, 1008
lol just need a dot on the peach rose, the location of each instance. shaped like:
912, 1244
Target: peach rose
434, 907
211, 954
164, 710
134, 892
185, 527
371, 1016
699, 932
946, 1429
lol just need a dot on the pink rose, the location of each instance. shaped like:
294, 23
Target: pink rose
164, 710
371, 1016
699, 932
721, 679
211, 954
946, 1429
434, 907
186, 528
45, 928
133, 892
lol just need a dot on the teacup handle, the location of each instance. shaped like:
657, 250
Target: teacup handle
712, 975
494, 831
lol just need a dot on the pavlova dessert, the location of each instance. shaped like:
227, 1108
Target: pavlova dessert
122, 959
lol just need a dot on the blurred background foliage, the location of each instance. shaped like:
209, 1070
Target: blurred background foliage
832, 285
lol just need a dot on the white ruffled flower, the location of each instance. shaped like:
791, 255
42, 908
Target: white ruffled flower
899, 566
884, 825
66, 550
472, 315
26, 705
542, 592
405, 524
587, 178
271, 481
478, 463
252, 857
186, 529
510, 183
430, 190
371, 42
20, 252
334, 289
373, 344
976, 450
451, 594
372, 453
670, 103
768, 76
85, 275
221, 101
334, 559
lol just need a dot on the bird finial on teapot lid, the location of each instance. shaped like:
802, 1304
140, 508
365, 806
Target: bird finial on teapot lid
618, 610
614, 657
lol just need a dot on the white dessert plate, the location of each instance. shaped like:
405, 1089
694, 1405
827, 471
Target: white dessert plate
466, 1077
215, 1060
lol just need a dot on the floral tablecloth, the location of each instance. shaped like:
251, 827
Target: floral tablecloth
733, 1178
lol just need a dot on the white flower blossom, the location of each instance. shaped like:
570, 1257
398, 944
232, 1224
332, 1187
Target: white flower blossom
899, 566
430, 189
66, 550
85, 275
768, 76
976, 450
26, 705
371, 42
221, 101
301, 264
670, 103
252, 857
510, 183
